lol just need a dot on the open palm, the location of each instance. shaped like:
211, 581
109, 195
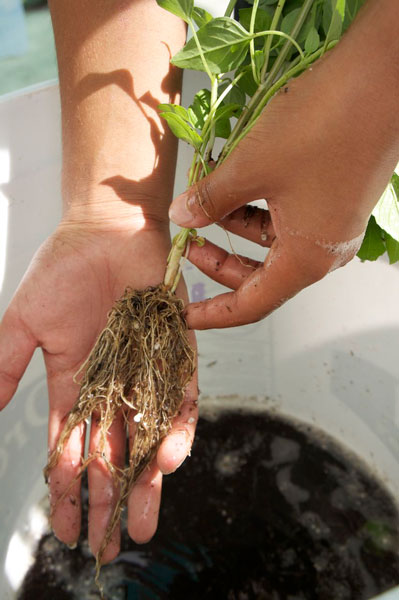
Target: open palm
61, 305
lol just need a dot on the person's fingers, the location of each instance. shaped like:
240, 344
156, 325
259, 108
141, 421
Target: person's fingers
221, 266
212, 198
103, 486
252, 223
16, 349
177, 445
145, 497
284, 273
143, 504
65, 501
65, 498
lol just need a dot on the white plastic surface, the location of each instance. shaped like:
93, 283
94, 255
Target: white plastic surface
330, 356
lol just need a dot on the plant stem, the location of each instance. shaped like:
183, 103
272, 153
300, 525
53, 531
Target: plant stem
200, 51
272, 32
252, 42
192, 168
205, 133
243, 119
246, 115
173, 269
267, 95
269, 40
266, 90
208, 121
230, 8
307, 5
227, 90
214, 97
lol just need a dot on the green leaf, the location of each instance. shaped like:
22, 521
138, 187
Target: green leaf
226, 111
180, 8
262, 20
222, 117
337, 12
352, 8
263, 3
175, 108
340, 8
386, 212
312, 41
182, 129
223, 128
392, 248
395, 182
199, 109
247, 83
235, 95
289, 21
327, 16
259, 58
201, 16
224, 43
373, 243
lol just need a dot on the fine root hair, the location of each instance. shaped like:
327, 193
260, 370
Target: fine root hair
139, 365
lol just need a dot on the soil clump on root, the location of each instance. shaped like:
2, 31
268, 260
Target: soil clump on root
140, 365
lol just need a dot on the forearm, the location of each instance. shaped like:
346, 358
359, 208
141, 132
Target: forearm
363, 71
371, 53
118, 157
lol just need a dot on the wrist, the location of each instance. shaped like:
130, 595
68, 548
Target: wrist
118, 155
115, 203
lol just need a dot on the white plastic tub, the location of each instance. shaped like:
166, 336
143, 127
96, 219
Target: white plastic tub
329, 357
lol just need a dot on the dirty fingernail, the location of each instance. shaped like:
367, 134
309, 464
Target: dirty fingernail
72, 546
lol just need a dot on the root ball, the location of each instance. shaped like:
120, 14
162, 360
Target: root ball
140, 364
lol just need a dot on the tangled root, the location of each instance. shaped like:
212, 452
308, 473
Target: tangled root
141, 362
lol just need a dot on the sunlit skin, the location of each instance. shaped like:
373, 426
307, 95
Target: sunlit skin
321, 154
118, 173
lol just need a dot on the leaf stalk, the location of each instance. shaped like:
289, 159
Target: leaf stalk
230, 8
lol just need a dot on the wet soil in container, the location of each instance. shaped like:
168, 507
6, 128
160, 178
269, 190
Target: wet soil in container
264, 509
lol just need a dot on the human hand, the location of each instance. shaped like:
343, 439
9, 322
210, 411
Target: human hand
321, 153
61, 306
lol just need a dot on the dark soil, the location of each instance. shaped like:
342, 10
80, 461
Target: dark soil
263, 510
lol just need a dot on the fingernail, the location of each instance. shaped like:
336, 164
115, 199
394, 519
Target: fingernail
72, 546
181, 462
174, 468
179, 211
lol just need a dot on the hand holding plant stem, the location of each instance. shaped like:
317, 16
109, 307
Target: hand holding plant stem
333, 158
201, 55
204, 144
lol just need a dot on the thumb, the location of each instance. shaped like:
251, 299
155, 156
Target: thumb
211, 198
16, 349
